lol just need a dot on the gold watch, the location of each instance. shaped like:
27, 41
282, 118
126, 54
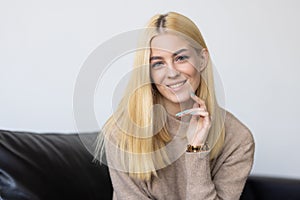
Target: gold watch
200, 148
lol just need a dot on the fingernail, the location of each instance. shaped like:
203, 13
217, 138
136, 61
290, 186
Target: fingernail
192, 94
181, 113
178, 114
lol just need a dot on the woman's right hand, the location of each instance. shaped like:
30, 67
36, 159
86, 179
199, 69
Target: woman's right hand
200, 122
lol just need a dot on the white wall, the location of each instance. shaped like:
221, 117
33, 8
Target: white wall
254, 45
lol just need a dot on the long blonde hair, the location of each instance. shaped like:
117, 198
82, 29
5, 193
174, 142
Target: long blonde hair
132, 125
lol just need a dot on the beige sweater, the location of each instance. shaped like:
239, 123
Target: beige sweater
193, 176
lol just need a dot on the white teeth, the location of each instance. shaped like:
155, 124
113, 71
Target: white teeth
177, 85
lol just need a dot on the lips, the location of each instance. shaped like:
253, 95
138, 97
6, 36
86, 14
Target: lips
177, 85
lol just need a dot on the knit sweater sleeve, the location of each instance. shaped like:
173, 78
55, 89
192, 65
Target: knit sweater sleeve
126, 188
227, 182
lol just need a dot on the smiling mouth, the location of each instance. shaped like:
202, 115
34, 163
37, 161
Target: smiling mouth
177, 85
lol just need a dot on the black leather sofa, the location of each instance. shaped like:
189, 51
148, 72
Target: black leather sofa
54, 166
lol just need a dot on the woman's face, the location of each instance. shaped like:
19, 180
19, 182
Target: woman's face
174, 67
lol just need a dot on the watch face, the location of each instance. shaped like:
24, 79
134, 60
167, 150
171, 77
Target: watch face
205, 147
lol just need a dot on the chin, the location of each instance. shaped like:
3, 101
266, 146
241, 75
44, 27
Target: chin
179, 98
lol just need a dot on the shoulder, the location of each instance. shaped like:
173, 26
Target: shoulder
236, 133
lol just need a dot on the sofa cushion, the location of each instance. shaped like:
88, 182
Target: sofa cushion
271, 188
50, 166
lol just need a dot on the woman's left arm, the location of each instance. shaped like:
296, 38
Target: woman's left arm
233, 164
229, 179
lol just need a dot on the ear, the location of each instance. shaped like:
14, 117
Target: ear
204, 56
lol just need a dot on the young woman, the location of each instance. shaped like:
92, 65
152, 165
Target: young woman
169, 138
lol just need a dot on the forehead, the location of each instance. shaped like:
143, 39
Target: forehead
164, 43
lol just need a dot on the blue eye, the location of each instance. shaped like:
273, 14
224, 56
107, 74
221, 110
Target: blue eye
181, 58
157, 64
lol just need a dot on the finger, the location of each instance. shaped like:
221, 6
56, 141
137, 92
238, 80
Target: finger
198, 100
202, 130
199, 118
187, 112
194, 118
199, 113
206, 122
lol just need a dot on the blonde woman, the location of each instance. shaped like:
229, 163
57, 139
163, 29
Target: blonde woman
169, 138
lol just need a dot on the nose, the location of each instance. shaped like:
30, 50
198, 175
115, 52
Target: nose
172, 72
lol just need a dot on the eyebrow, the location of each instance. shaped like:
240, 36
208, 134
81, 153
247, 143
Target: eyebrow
174, 54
